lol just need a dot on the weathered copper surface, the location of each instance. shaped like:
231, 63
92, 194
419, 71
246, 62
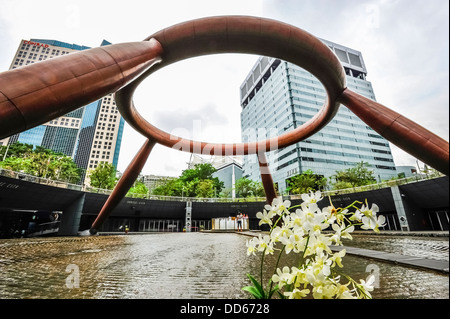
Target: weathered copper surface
126, 181
238, 34
406, 134
266, 178
38, 93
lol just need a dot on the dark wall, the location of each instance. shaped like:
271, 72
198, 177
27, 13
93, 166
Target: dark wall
422, 197
207, 210
424, 202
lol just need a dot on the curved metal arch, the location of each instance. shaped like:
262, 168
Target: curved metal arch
38, 93
239, 34
35, 94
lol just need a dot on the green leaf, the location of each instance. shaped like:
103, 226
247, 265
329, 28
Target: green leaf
281, 295
274, 289
257, 286
254, 291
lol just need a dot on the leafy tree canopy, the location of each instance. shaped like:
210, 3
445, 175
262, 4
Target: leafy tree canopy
103, 176
359, 175
138, 188
194, 182
40, 162
306, 182
248, 188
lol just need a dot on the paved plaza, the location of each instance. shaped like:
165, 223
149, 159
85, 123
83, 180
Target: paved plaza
188, 266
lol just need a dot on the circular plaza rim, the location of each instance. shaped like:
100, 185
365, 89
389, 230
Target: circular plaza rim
248, 35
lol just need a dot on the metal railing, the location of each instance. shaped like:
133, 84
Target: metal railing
89, 189
371, 187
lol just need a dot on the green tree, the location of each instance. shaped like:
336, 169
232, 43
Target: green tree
430, 172
66, 169
40, 162
205, 188
103, 176
191, 179
138, 188
15, 150
359, 175
245, 187
226, 193
200, 171
306, 182
17, 164
194, 182
169, 187
40, 165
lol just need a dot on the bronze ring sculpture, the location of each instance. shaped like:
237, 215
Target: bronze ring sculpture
240, 35
88, 75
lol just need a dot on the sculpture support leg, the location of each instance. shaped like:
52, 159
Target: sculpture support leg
266, 178
406, 134
124, 184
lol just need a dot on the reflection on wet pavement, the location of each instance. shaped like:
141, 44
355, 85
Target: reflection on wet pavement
169, 265
416, 246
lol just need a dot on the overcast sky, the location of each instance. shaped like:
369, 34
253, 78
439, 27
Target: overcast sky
404, 44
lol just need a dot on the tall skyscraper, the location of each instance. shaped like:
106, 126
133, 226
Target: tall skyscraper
278, 96
90, 134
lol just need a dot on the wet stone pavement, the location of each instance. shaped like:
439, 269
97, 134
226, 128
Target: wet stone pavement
416, 246
181, 265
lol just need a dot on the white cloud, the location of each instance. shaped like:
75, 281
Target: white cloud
404, 44
405, 48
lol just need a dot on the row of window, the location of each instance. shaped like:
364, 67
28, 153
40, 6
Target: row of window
365, 127
97, 154
102, 126
356, 87
308, 87
101, 135
353, 147
94, 163
340, 114
303, 93
66, 122
32, 57
109, 100
319, 151
328, 161
330, 152
34, 48
106, 145
104, 117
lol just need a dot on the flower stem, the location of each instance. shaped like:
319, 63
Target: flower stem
353, 282
352, 205
304, 252
262, 264
275, 270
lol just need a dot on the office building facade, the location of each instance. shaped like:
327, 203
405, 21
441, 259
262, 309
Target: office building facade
278, 96
90, 134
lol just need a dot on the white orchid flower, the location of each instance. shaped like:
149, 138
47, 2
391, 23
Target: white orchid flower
373, 222
265, 217
278, 206
312, 198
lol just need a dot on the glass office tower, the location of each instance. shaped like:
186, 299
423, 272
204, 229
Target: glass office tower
278, 96
90, 134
